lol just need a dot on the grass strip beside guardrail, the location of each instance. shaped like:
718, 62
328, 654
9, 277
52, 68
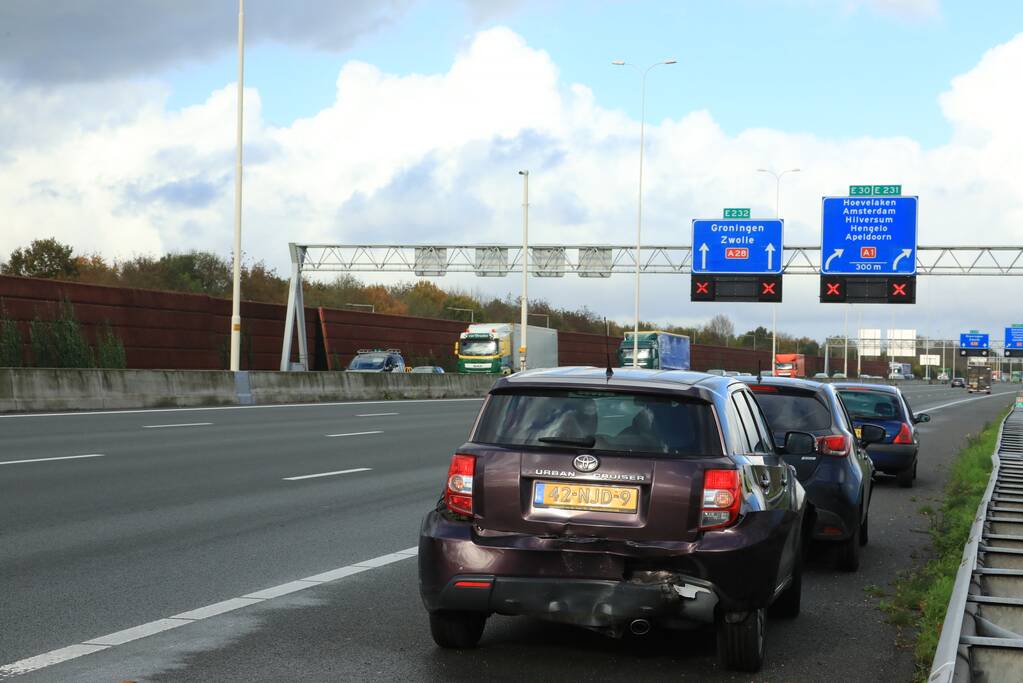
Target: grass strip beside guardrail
921, 595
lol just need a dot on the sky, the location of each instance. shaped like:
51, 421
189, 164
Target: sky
406, 121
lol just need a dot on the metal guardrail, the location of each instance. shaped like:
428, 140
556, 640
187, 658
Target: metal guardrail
982, 636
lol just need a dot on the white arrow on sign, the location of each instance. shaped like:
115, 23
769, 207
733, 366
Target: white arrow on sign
703, 254
827, 264
770, 255
905, 254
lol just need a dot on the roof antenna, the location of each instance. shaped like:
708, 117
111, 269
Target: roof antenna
609, 373
760, 373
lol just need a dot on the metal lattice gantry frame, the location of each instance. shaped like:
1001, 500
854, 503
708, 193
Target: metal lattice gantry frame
600, 261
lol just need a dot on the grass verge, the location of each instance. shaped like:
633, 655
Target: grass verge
921, 596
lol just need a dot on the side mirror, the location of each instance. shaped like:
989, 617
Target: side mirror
871, 434
800, 443
921, 417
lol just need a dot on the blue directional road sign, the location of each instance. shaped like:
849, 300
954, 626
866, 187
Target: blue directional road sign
1013, 338
868, 236
737, 247
974, 340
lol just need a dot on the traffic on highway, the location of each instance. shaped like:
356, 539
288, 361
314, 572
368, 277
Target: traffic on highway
511, 341
188, 548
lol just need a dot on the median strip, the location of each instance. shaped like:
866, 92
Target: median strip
376, 414
328, 474
64, 654
62, 457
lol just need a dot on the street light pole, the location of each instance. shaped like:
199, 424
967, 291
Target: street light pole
777, 214
525, 265
236, 288
639, 209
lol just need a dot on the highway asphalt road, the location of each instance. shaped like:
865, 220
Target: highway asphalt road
193, 545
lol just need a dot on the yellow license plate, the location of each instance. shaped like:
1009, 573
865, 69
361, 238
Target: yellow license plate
859, 432
550, 494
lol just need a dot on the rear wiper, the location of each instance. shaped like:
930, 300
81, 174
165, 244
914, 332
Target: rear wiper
583, 442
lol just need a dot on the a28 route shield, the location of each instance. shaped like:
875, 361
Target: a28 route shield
869, 236
737, 247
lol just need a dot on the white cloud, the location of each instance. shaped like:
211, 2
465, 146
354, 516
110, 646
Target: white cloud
414, 158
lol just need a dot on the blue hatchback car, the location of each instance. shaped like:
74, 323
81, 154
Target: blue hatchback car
886, 406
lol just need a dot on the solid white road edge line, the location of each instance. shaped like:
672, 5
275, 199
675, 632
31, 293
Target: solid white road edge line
331, 436
965, 400
128, 635
260, 407
328, 474
376, 414
183, 424
62, 457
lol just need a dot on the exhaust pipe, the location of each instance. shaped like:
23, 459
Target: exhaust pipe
639, 627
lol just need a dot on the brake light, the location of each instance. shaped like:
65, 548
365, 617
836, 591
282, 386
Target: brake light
721, 500
836, 445
458, 489
905, 435
764, 388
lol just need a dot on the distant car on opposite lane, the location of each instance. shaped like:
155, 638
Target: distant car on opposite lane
428, 370
887, 407
958, 383
377, 360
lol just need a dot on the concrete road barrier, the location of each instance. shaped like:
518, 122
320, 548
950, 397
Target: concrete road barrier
44, 390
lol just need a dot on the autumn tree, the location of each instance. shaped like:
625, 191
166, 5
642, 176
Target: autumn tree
45, 258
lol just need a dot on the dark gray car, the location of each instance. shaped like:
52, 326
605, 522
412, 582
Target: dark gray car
628, 501
838, 476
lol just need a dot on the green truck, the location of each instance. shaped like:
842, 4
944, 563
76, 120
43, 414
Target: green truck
657, 351
493, 348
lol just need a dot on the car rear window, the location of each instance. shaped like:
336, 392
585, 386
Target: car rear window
794, 411
600, 421
871, 405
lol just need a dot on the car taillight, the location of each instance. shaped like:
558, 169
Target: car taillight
721, 499
836, 445
904, 435
458, 488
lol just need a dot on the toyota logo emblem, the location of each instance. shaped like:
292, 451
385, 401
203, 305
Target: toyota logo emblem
586, 463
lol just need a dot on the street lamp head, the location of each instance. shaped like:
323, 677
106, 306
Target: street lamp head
794, 170
523, 172
671, 61
618, 62
762, 170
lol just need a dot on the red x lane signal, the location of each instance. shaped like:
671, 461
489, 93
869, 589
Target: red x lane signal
767, 288
834, 289
701, 288
898, 290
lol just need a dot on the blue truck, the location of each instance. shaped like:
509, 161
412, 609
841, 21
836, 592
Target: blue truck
657, 351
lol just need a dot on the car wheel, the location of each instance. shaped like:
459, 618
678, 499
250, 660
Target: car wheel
787, 604
457, 630
740, 638
849, 552
905, 477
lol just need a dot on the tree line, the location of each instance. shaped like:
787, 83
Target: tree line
203, 272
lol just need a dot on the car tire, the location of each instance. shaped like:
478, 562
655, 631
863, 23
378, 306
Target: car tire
787, 604
865, 529
905, 477
457, 630
849, 552
741, 639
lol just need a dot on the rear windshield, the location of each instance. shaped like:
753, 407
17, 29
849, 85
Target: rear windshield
871, 405
600, 421
801, 412
365, 362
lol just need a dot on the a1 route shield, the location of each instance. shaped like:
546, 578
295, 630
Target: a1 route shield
974, 340
1014, 338
868, 236
737, 247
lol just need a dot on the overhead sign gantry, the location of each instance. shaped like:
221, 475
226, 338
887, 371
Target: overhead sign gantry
868, 246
